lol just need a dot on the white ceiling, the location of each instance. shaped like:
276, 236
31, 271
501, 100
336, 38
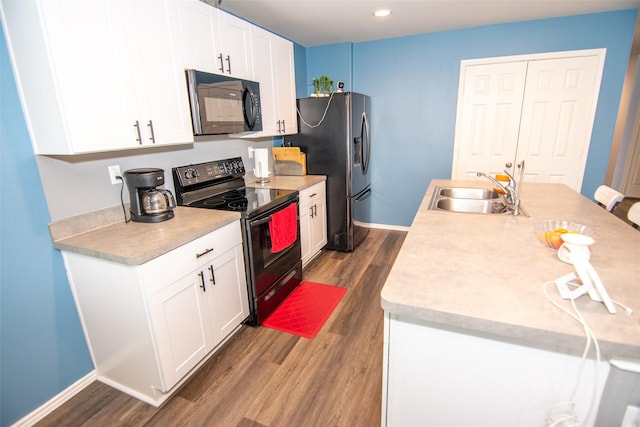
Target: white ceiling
318, 22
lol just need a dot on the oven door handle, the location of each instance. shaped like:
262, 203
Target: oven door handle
260, 221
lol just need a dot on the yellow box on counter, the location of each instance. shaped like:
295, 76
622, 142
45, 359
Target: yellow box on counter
289, 161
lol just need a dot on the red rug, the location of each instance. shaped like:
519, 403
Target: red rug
306, 309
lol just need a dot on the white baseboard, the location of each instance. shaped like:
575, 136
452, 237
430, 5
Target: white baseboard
381, 226
39, 413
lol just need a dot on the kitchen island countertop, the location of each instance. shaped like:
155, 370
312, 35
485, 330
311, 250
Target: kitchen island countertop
484, 274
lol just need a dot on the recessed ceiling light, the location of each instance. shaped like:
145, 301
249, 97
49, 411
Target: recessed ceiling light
381, 12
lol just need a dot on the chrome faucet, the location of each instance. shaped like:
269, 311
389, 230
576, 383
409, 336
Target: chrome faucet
512, 189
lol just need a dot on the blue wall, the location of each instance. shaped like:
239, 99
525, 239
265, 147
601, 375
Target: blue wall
413, 82
42, 347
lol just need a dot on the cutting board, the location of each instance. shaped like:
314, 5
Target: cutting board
289, 161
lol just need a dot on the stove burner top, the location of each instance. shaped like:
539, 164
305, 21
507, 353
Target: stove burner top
220, 185
246, 200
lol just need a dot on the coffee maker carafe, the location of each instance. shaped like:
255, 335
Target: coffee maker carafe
148, 202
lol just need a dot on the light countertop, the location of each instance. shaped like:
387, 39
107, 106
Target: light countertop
135, 243
286, 182
105, 235
485, 273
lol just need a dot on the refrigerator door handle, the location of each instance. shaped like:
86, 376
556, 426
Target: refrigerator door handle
365, 134
362, 197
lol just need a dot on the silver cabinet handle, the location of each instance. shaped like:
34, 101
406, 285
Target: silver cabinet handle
204, 253
137, 126
279, 130
153, 137
212, 279
204, 288
221, 63
284, 127
228, 64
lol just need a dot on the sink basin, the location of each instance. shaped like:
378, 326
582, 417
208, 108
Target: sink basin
469, 193
471, 206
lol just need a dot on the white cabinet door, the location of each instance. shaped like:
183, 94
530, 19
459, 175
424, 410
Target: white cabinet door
183, 332
284, 83
234, 47
262, 52
539, 109
273, 68
215, 41
306, 232
98, 76
319, 225
160, 78
313, 221
228, 300
198, 25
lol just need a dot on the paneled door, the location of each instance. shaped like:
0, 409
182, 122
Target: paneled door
539, 109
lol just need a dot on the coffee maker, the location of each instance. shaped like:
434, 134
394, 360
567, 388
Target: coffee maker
148, 202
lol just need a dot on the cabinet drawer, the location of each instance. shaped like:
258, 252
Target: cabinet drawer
161, 271
312, 194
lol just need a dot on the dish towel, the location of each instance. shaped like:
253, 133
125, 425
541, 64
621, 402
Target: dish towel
284, 228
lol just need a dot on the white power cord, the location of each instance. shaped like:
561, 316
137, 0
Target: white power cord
323, 115
568, 417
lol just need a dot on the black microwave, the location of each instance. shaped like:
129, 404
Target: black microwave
223, 104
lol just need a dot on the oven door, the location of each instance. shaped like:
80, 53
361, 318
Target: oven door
266, 267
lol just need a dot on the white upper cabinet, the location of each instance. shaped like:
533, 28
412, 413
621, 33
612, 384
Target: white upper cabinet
273, 67
215, 41
99, 75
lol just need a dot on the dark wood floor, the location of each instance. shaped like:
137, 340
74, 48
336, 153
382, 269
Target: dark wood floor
267, 378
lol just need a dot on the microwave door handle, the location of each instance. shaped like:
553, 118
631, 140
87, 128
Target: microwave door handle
254, 114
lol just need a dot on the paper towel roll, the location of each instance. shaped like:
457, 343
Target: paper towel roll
262, 163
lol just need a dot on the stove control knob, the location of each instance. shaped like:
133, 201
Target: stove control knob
191, 173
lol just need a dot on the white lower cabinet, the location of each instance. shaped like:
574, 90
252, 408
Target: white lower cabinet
149, 326
440, 375
313, 221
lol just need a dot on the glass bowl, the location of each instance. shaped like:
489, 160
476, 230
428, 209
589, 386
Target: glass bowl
549, 231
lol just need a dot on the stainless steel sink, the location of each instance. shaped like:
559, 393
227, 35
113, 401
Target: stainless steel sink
471, 206
469, 193
468, 200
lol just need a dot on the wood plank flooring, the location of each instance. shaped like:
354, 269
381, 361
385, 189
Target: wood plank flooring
263, 377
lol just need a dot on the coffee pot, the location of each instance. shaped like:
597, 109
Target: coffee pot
148, 202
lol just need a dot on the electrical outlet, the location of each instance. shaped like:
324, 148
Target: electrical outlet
114, 171
251, 150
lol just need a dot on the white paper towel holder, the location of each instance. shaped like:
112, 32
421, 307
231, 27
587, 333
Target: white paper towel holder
261, 175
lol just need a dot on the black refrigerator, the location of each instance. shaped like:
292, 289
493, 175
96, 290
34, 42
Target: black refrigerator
334, 133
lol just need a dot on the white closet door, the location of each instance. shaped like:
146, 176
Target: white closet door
557, 118
489, 111
537, 108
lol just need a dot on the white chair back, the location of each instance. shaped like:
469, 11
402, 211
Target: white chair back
608, 198
633, 214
